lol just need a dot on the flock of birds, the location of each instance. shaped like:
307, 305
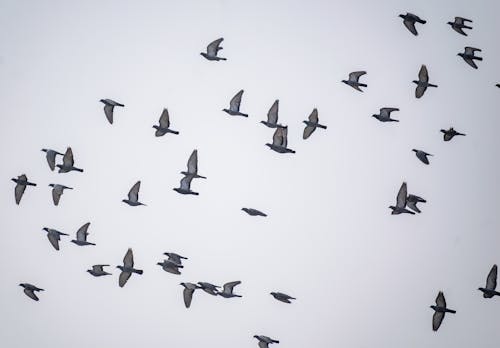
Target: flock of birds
405, 203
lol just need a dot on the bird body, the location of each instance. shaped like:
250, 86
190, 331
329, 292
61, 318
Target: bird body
21, 183
127, 269
265, 341
253, 212
213, 49
385, 115
422, 155
109, 106
170, 266
280, 141
98, 270
30, 289
68, 163
491, 284
57, 191
353, 80
133, 195
185, 186
423, 82
448, 134
164, 124
175, 258
234, 105
227, 291
54, 236
409, 20
81, 236
459, 24
469, 56
272, 116
282, 297
50, 155
192, 166
439, 311
311, 124
401, 201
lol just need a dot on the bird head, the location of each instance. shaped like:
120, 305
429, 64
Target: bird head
344, 81
51, 185
376, 116
450, 23
255, 336
45, 229
402, 16
120, 267
414, 150
159, 264
44, 150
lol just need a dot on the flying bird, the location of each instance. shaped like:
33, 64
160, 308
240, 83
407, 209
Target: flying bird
491, 284
227, 291
175, 258
54, 236
68, 163
81, 236
109, 106
185, 186
234, 105
282, 297
469, 56
98, 270
412, 200
192, 166
311, 124
459, 24
187, 293
385, 115
439, 311
127, 269
209, 288
280, 141
448, 134
50, 155
21, 183
422, 155
409, 20
133, 195
57, 191
30, 290
164, 124
354, 80
265, 341
423, 82
272, 116
253, 212
213, 49
170, 266
401, 200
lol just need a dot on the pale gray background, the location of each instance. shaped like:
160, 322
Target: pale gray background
363, 278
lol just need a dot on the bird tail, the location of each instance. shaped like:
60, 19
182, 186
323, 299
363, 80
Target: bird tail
452, 311
363, 85
200, 176
31, 184
138, 271
431, 85
79, 170
321, 126
244, 115
222, 59
477, 58
275, 341
173, 132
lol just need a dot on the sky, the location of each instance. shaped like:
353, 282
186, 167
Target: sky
362, 278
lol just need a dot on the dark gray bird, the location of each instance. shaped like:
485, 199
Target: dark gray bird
50, 155
57, 191
81, 236
412, 200
469, 56
422, 155
459, 25
409, 20
265, 341
448, 134
213, 49
401, 201
498, 85
385, 115
185, 186
98, 270
128, 268
227, 291
272, 116
234, 105
192, 166
133, 195
439, 311
423, 82
164, 124
109, 106
209, 288
282, 297
30, 290
311, 124
68, 163
54, 236
21, 183
170, 266
253, 212
354, 80
175, 258
491, 284
280, 141
188, 292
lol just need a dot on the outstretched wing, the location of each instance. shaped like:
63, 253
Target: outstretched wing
164, 119
186, 182
423, 75
401, 197
18, 192
272, 114
108, 111
192, 164
188, 296
440, 300
68, 158
471, 50
51, 159
53, 239
263, 344
419, 91
213, 48
82, 233
133, 194
471, 62
124, 276
128, 260
410, 25
235, 102
313, 117
31, 294
355, 75
491, 281
228, 287
437, 318
57, 191
308, 131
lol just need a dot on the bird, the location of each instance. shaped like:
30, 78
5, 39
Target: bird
185, 186
282, 297
459, 24
57, 191
354, 80
385, 115
30, 289
265, 341
192, 166
253, 212
109, 106
164, 124
213, 49
175, 258
311, 124
439, 311
401, 200
469, 56
54, 236
98, 270
81, 236
50, 155
209, 288
133, 195
422, 155
498, 85
127, 269
280, 141
423, 82
448, 134
170, 266
227, 291
272, 116
187, 293
412, 200
21, 183
409, 20
234, 105
68, 163
491, 284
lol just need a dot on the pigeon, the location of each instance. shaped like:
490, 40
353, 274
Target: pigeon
213, 49
354, 80
422, 155
439, 311
68, 163
409, 20
127, 269
164, 122
459, 24
54, 236
98, 270
312, 124
491, 284
192, 166
170, 266
185, 186
234, 105
412, 200
401, 200
469, 56
133, 195
81, 236
30, 289
51, 157
280, 141
209, 288
187, 293
21, 183
450, 133
385, 115
175, 258
265, 341
253, 212
57, 191
227, 291
282, 297
109, 105
272, 116
423, 82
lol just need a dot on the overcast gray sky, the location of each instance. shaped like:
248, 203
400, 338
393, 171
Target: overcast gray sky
363, 278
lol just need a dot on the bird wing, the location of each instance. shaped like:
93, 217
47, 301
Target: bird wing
461, 20
413, 206
213, 47
440, 300
235, 102
278, 136
401, 197
18, 192
124, 276
128, 260
54, 239
174, 258
386, 112
263, 344
437, 318
228, 287
308, 131
423, 75
410, 25
491, 281
313, 117
31, 294
458, 29
68, 158
192, 164
82, 233
108, 110
98, 268
133, 194
272, 114
420, 90
164, 119
188, 296
471, 62
423, 157
284, 136
57, 191
186, 182
51, 159
355, 75
471, 50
